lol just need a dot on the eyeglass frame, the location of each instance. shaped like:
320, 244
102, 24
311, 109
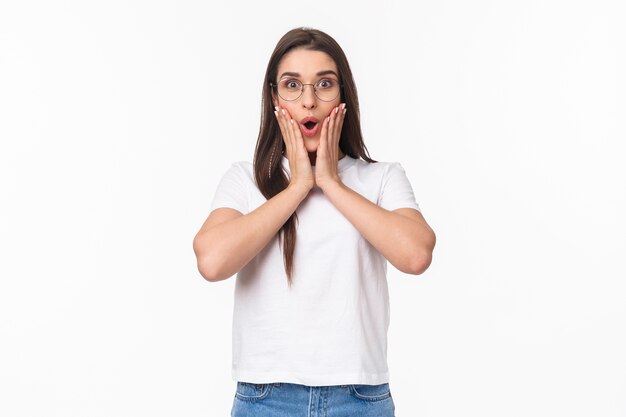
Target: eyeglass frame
302, 92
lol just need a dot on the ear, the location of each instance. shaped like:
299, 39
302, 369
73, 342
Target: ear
274, 99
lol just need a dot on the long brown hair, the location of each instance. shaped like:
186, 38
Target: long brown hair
268, 172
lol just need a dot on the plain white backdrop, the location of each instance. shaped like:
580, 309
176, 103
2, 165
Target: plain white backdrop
118, 118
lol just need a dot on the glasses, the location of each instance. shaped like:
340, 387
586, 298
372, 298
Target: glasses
289, 89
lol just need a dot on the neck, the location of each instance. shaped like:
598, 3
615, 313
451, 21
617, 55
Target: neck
313, 156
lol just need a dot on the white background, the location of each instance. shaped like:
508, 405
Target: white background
117, 119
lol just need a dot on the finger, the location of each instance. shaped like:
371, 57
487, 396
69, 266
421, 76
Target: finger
332, 127
325, 132
333, 119
337, 124
286, 117
296, 134
283, 130
295, 146
342, 115
281, 126
292, 132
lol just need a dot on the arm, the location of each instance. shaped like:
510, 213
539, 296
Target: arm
402, 236
228, 240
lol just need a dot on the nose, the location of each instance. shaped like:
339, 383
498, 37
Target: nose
309, 99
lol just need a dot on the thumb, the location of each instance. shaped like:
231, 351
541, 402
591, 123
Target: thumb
323, 137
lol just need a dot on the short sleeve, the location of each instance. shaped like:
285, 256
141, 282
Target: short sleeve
396, 191
231, 190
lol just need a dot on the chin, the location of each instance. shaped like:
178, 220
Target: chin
311, 144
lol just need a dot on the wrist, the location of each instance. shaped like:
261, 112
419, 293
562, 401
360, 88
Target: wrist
331, 185
300, 189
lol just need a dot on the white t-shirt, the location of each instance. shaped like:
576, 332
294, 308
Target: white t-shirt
330, 327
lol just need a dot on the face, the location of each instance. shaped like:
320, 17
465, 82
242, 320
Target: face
304, 66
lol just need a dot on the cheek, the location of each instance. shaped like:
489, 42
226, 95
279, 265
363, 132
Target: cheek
332, 108
291, 108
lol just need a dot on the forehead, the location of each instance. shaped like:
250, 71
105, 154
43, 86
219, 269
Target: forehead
306, 63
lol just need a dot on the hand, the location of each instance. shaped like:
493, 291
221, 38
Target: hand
299, 162
327, 160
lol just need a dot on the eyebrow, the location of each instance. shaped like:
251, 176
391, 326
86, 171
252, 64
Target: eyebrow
295, 74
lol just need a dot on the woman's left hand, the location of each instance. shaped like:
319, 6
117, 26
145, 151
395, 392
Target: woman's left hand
326, 161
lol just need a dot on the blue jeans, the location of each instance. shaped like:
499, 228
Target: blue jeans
283, 399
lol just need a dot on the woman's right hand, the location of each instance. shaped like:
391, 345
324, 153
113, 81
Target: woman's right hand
299, 162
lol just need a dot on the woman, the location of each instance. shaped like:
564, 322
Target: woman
309, 228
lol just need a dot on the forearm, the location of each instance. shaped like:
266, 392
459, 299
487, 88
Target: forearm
404, 242
229, 246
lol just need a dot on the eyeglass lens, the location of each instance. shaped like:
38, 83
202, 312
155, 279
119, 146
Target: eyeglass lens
326, 89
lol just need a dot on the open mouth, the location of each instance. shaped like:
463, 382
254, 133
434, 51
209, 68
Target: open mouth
310, 126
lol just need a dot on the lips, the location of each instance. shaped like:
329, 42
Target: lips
309, 126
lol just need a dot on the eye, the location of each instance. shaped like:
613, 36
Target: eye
326, 83
291, 84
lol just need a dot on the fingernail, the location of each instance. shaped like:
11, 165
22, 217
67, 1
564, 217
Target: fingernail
343, 105
276, 108
276, 113
336, 110
344, 111
284, 111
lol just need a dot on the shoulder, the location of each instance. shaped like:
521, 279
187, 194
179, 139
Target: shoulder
240, 168
242, 165
380, 168
239, 172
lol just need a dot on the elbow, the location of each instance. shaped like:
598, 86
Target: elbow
424, 257
207, 267
208, 270
421, 263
